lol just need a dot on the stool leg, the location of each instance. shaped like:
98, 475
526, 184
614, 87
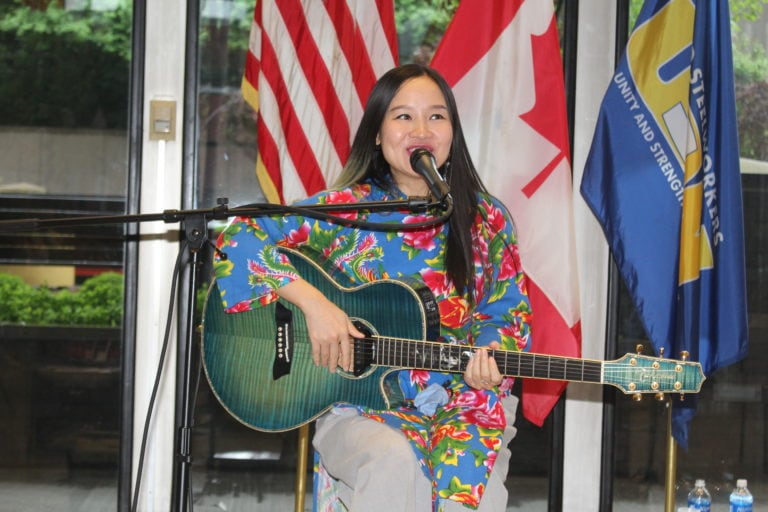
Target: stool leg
301, 468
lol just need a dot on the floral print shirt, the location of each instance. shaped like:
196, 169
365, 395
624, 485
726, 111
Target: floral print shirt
457, 445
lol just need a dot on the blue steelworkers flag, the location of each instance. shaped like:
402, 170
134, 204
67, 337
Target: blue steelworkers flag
663, 179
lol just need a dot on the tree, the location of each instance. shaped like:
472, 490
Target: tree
420, 26
64, 68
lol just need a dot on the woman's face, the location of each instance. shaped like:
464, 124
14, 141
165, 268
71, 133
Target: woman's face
417, 117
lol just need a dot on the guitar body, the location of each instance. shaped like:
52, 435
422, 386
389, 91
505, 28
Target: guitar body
239, 350
259, 362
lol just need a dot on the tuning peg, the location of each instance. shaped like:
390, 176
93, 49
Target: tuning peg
637, 397
639, 348
684, 355
682, 397
661, 351
659, 396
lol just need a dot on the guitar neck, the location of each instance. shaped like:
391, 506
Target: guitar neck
430, 355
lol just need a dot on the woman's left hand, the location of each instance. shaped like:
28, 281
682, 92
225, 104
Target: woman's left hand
481, 371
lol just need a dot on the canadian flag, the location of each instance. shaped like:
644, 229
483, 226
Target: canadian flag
502, 59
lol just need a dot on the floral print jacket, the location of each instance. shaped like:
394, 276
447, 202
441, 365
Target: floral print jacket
457, 445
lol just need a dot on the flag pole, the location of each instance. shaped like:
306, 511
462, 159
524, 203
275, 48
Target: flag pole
671, 469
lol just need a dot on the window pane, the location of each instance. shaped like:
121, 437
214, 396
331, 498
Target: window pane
63, 153
727, 436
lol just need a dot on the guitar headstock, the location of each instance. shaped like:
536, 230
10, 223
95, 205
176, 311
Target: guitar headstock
638, 374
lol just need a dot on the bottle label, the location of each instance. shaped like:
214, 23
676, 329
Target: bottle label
741, 504
699, 505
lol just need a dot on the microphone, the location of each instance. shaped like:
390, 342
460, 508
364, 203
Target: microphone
424, 164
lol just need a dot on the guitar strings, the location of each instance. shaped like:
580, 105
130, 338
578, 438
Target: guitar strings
432, 355
452, 357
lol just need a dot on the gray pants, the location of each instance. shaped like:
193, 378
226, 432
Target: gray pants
376, 468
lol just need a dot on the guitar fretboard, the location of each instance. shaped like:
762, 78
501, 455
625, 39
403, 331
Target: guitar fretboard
430, 355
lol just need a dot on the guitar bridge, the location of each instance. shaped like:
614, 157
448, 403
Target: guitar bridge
281, 366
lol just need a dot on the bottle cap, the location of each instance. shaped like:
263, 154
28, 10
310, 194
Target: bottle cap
741, 482
699, 482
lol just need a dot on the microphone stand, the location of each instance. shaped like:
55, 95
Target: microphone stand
195, 226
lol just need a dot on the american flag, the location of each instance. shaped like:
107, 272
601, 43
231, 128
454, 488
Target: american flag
502, 58
309, 69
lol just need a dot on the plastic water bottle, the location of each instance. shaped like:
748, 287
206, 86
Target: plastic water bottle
699, 498
741, 499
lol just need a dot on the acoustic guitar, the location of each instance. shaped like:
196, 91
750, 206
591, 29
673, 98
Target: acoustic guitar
259, 362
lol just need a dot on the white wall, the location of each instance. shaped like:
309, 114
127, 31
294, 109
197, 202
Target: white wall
584, 409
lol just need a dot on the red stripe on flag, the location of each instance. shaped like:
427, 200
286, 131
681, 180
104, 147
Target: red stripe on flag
472, 32
386, 10
252, 70
270, 156
250, 83
257, 13
317, 76
353, 45
297, 143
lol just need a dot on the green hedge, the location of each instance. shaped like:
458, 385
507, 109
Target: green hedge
98, 302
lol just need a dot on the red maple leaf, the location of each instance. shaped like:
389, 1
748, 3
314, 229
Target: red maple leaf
547, 116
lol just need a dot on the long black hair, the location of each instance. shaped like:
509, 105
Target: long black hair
366, 162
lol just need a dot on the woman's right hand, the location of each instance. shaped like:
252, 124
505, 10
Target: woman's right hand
329, 328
